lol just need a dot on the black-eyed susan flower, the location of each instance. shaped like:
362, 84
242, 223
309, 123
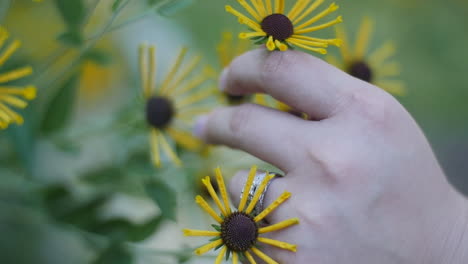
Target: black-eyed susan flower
238, 231
373, 67
12, 96
172, 105
270, 24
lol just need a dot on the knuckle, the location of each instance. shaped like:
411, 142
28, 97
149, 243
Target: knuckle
376, 108
241, 117
275, 67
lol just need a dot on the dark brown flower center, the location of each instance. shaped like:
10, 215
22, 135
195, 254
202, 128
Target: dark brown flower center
278, 25
159, 111
239, 232
234, 99
361, 70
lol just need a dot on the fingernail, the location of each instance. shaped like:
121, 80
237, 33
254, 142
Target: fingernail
223, 79
199, 127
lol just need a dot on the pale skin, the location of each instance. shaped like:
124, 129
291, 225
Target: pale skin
365, 183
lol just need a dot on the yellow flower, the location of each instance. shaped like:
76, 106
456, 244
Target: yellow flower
280, 30
171, 107
10, 96
238, 230
373, 67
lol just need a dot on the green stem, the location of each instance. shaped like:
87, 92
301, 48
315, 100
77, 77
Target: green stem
133, 19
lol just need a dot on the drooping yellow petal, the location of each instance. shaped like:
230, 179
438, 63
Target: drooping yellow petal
205, 206
297, 9
363, 37
270, 44
309, 43
249, 9
28, 92
154, 145
193, 232
332, 8
185, 139
279, 6
259, 192
143, 70
188, 86
13, 101
245, 35
283, 197
336, 42
152, 71
319, 27
268, 6
250, 257
279, 244
222, 190
183, 75
166, 83
261, 8
279, 226
207, 182
383, 53
392, 86
235, 258
385, 70
203, 249
13, 116
220, 256
263, 256
15, 74
194, 98
9, 51
4, 35
345, 49
281, 46
318, 50
168, 149
243, 19
309, 10
248, 185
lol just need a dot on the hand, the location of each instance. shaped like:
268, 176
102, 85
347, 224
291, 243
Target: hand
365, 183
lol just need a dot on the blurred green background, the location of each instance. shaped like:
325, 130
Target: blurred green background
75, 182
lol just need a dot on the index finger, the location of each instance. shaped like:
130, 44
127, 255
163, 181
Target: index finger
298, 79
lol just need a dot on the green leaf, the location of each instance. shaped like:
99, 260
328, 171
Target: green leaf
172, 7
116, 5
115, 254
164, 197
59, 110
98, 56
71, 38
121, 229
73, 12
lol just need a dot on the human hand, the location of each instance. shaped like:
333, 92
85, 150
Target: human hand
364, 180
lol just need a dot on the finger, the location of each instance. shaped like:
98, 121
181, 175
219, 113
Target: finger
268, 134
300, 80
277, 187
283, 212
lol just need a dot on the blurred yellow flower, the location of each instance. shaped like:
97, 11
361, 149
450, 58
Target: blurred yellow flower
10, 96
171, 107
238, 231
373, 67
280, 30
227, 50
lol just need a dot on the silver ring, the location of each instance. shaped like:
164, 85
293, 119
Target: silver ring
258, 179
